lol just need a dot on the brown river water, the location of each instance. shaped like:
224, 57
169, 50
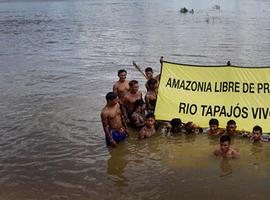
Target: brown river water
58, 59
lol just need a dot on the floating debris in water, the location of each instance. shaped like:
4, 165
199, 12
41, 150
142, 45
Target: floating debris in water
217, 7
185, 10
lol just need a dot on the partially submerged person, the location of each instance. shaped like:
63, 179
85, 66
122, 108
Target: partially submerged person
112, 121
176, 125
214, 129
225, 150
191, 128
231, 128
138, 116
258, 136
132, 95
149, 129
121, 87
151, 96
149, 74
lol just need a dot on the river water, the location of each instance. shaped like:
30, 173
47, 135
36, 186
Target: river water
58, 59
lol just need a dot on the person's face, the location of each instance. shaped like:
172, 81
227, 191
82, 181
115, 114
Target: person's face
256, 135
115, 101
149, 74
231, 128
135, 88
150, 122
224, 146
213, 128
122, 76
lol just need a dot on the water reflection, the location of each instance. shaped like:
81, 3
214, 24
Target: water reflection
225, 167
117, 163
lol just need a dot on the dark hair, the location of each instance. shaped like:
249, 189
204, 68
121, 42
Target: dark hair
151, 82
132, 83
121, 71
225, 138
148, 69
175, 122
257, 128
110, 96
231, 122
150, 115
137, 103
213, 122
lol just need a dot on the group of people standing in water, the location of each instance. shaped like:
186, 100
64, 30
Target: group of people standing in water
126, 107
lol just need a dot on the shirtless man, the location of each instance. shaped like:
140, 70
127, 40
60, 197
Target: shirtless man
149, 129
231, 128
214, 129
121, 87
111, 118
151, 95
130, 98
225, 150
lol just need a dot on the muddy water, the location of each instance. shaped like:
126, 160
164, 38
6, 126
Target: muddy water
58, 59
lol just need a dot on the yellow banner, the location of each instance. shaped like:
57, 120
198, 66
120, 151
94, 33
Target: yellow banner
199, 93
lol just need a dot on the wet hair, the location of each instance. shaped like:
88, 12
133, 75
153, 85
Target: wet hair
148, 69
225, 138
150, 115
132, 83
213, 122
110, 96
257, 128
231, 122
121, 71
151, 82
175, 122
137, 103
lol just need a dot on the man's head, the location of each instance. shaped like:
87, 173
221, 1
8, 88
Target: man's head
111, 98
176, 124
133, 86
122, 74
152, 83
257, 133
225, 142
150, 120
231, 127
149, 72
213, 125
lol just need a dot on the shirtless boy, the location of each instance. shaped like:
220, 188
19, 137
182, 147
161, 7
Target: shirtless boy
256, 134
132, 95
121, 87
111, 118
138, 116
151, 95
149, 129
225, 150
214, 129
231, 128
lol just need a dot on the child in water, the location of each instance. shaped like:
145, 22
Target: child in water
257, 135
149, 129
214, 130
225, 150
